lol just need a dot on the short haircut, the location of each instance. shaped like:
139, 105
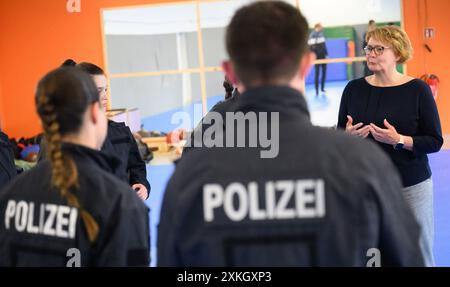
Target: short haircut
394, 37
265, 42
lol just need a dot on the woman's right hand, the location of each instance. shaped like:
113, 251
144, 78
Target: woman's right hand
358, 129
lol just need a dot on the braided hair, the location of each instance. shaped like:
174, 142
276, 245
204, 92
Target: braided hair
62, 98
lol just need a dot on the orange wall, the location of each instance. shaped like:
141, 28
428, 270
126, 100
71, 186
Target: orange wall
1, 67
1, 103
419, 14
37, 36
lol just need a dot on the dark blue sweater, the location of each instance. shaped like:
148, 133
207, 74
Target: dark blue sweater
410, 108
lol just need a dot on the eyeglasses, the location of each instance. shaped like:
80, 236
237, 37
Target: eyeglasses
377, 49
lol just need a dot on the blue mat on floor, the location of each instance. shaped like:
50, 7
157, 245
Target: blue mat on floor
440, 166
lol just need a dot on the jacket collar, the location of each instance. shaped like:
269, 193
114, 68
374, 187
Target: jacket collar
287, 101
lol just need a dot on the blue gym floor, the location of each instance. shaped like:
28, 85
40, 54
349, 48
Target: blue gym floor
324, 112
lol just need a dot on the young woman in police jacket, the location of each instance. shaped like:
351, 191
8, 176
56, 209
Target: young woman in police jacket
119, 139
69, 210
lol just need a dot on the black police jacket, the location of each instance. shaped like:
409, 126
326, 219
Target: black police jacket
326, 199
7, 167
121, 143
39, 228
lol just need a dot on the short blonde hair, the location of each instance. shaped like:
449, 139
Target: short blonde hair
396, 38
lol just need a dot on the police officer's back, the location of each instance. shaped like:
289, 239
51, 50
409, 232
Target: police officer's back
70, 206
304, 195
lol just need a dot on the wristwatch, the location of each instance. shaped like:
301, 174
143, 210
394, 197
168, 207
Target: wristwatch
399, 145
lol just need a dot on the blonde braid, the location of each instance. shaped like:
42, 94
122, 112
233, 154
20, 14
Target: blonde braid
64, 170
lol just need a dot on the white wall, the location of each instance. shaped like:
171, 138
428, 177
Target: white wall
151, 20
350, 12
182, 17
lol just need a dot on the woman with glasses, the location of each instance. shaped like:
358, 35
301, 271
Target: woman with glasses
398, 112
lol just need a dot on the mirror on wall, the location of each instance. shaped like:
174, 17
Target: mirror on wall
165, 58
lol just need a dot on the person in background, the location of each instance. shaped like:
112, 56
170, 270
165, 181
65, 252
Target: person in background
70, 203
230, 90
397, 112
317, 45
195, 138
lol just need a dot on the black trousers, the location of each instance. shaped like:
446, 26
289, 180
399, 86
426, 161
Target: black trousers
316, 79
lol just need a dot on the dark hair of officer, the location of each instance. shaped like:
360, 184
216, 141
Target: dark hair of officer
98, 75
62, 98
228, 88
266, 50
89, 68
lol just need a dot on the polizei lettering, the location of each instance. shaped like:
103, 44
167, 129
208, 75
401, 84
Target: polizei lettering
46, 219
283, 199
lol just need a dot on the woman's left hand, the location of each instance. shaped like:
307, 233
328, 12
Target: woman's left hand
387, 136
